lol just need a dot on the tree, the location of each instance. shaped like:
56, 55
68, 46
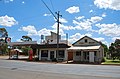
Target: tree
3, 33
105, 49
26, 48
114, 50
3, 43
26, 38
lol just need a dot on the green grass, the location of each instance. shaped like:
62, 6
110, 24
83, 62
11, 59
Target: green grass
108, 61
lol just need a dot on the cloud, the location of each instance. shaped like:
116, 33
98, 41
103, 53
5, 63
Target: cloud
109, 29
86, 24
99, 39
23, 2
90, 11
30, 29
7, 1
47, 14
77, 36
114, 38
7, 21
108, 4
104, 15
80, 17
62, 20
44, 31
73, 9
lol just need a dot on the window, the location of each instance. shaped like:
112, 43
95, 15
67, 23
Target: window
61, 54
86, 40
78, 53
95, 53
44, 53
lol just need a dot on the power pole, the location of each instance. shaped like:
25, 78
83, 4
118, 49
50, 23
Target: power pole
58, 22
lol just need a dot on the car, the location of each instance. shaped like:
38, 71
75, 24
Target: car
14, 57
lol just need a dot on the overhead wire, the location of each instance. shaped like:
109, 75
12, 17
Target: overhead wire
52, 5
49, 9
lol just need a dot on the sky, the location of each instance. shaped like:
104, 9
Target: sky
98, 19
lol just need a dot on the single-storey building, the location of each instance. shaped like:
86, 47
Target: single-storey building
87, 50
48, 50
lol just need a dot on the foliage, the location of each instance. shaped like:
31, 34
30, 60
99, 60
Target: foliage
105, 49
25, 50
4, 48
103, 60
26, 38
114, 50
108, 61
3, 32
3, 36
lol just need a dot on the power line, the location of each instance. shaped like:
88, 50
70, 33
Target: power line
49, 10
52, 5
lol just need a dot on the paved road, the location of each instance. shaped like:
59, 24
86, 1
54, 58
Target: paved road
13, 69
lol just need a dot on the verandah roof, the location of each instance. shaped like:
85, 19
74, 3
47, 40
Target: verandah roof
84, 48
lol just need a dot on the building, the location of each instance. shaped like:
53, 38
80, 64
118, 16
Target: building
87, 50
47, 50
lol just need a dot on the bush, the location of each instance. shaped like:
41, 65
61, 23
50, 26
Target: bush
103, 60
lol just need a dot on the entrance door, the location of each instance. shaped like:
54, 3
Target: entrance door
51, 54
86, 55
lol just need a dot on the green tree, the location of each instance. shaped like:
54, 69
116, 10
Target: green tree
26, 38
114, 49
105, 49
3, 37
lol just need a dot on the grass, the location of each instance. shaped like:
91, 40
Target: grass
108, 61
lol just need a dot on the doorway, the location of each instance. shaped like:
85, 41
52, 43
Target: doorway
51, 55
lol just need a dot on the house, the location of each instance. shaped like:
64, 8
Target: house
87, 50
48, 51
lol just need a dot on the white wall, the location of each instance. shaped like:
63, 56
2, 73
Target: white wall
91, 56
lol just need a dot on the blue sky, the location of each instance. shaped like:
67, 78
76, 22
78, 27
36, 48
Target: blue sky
99, 19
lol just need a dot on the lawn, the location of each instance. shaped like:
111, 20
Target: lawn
108, 61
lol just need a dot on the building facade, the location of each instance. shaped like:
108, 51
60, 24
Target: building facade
48, 51
87, 50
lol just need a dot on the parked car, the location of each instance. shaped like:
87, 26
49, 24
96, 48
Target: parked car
14, 57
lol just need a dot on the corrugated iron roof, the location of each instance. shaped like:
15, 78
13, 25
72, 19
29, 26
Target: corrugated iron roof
84, 48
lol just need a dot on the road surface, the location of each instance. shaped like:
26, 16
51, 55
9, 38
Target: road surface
15, 69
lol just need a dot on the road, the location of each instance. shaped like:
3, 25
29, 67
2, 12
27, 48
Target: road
14, 69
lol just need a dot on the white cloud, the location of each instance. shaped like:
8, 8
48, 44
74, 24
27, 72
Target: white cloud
7, 1
73, 9
109, 29
7, 21
80, 17
86, 24
104, 15
111, 4
99, 39
95, 19
114, 38
62, 20
30, 29
23, 2
90, 11
77, 36
44, 31
47, 14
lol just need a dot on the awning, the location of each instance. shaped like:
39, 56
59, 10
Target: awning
84, 48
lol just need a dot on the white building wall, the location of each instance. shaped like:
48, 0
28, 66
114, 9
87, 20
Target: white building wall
76, 58
91, 56
53, 49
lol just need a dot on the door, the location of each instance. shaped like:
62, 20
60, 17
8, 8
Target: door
70, 56
51, 54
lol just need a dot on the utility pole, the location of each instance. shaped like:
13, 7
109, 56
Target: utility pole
58, 22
